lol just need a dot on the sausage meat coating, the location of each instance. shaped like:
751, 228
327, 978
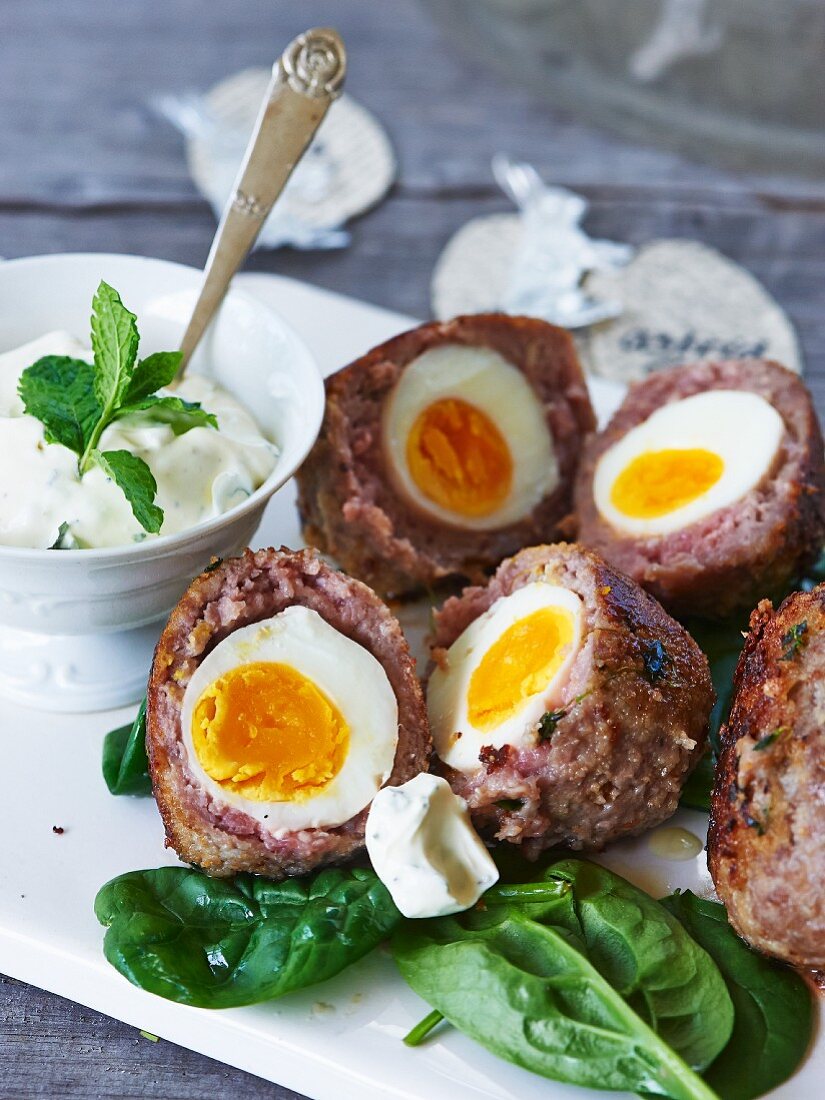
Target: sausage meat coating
766, 846
737, 555
222, 839
349, 507
634, 719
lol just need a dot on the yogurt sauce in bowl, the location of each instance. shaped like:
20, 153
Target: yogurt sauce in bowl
200, 474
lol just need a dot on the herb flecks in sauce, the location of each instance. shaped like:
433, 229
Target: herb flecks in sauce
76, 401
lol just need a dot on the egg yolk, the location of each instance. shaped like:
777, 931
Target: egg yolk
267, 732
521, 663
459, 459
659, 482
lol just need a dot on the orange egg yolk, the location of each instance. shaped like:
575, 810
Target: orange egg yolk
659, 482
521, 663
267, 732
459, 459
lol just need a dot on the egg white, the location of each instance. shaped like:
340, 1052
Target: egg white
483, 378
348, 675
742, 428
449, 685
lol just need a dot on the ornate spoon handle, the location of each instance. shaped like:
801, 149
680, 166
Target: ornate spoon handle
305, 80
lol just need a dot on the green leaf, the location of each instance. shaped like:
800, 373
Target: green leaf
125, 764
180, 415
649, 959
697, 789
219, 943
774, 1009
135, 479
59, 391
115, 344
151, 374
526, 992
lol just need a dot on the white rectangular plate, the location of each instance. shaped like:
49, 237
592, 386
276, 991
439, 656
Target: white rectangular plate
338, 1041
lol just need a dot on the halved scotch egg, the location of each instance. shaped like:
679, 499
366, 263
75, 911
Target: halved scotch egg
708, 485
445, 449
565, 705
282, 698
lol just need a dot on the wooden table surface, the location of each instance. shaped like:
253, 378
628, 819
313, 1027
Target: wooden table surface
86, 163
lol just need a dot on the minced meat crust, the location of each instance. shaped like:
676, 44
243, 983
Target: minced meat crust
239, 591
634, 722
755, 547
766, 846
349, 507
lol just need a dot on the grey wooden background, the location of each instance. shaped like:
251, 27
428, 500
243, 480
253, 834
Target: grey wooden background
86, 164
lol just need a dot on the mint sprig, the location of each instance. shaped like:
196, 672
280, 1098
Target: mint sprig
76, 401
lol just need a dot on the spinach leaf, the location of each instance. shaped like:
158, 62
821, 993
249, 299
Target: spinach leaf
219, 943
721, 643
697, 789
649, 959
525, 991
774, 1011
125, 765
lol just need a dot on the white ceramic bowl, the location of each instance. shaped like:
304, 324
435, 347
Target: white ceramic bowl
77, 626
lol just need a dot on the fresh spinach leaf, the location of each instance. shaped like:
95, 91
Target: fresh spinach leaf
699, 785
774, 1010
125, 764
576, 975
650, 960
219, 943
134, 478
526, 991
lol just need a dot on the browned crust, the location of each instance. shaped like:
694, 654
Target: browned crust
766, 846
738, 555
240, 591
619, 757
348, 506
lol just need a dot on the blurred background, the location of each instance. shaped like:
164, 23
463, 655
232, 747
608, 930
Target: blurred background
699, 119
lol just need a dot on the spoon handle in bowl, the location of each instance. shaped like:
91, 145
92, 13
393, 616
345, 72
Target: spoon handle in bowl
305, 80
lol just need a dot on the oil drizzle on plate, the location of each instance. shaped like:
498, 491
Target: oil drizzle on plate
674, 843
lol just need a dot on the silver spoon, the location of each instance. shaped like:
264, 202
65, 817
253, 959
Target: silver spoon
305, 80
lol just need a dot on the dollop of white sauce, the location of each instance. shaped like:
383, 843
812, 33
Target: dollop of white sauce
200, 474
425, 850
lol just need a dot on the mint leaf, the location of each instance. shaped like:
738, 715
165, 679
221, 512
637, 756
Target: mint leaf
135, 479
151, 374
180, 415
115, 344
59, 392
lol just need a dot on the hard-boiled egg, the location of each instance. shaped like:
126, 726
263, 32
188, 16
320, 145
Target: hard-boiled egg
466, 439
687, 460
500, 677
292, 722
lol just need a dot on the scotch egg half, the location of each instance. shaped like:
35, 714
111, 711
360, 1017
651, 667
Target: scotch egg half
291, 722
504, 673
466, 439
687, 460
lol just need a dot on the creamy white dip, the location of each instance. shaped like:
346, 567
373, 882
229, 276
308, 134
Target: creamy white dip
200, 474
425, 850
